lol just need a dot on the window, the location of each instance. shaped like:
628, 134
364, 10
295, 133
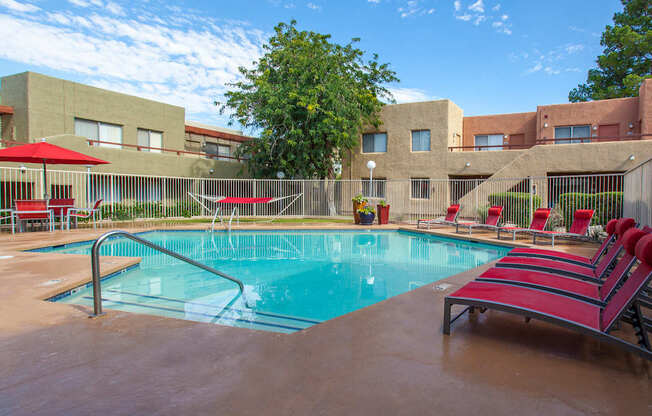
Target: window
96, 130
421, 141
420, 188
149, 138
572, 134
489, 140
222, 151
374, 143
378, 188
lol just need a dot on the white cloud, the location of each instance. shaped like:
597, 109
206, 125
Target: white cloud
19, 7
536, 68
410, 95
504, 17
464, 17
115, 8
374, 1
313, 6
571, 49
177, 65
479, 19
414, 8
552, 62
458, 5
496, 7
477, 7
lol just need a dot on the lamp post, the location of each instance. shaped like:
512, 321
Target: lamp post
371, 165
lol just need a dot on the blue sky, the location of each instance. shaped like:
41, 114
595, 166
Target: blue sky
488, 56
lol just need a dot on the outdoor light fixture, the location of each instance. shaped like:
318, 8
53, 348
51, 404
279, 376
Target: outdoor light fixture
467, 164
632, 157
505, 137
631, 125
211, 171
545, 125
280, 174
23, 169
595, 127
371, 165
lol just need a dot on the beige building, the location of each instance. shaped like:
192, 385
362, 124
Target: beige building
138, 136
433, 140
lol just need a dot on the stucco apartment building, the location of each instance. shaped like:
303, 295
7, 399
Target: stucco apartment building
433, 140
138, 136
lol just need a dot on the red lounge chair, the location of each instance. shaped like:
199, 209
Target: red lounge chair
94, 212
568, 286
594, 273
578, 229
572, 258
450, 219
33, 209
566, 312
539, 221
493, 217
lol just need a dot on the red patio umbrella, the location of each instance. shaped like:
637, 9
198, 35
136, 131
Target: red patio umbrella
46, 153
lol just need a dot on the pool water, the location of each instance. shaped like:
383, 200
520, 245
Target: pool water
293, 279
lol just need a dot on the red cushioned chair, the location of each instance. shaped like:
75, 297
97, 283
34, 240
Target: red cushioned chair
597, 293
571, 258
590, 272
450, 219
95, 213
574, 314
539, 221
493, 217
578, 229
32, 209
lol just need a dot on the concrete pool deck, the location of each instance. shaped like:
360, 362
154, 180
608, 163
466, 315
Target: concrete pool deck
389, 358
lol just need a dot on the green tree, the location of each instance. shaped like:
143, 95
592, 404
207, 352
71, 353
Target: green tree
310, 99
627, 56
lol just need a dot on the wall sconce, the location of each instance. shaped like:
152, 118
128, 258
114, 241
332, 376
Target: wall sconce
631, 158
595, 128
23, 169
211, 171
280, 174
545, 125
467, 164
631, 125
506, 137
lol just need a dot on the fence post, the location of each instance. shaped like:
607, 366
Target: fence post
529, 178
112, 195
254, 195
475, 196
303, 198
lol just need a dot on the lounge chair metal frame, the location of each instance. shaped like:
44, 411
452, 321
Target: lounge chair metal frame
440, 221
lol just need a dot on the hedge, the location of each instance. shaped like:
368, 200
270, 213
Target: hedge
516, 206
607, 205
128, 211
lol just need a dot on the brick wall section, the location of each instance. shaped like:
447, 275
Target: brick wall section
506, 124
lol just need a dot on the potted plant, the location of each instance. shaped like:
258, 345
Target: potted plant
367, 215
383, 212
358, 202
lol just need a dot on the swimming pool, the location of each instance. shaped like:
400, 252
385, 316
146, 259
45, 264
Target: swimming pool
293, 279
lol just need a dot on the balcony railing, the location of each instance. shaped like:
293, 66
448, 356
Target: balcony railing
595, 139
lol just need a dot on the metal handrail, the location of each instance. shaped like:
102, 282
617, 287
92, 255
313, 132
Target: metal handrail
95, 266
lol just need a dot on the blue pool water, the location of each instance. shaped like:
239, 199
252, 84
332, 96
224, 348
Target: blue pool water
293, 279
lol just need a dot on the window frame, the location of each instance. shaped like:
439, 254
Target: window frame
149, 140
99, 124
425, 181
412, 141
572, 139
478, 148
374, 138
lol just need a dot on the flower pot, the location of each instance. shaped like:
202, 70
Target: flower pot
356, 207
383, 214
367, 219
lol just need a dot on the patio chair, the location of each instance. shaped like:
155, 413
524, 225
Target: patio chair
60, 207
597, 293
84, 213
32, 209
572, 258
450, 219
578, 229
493, 217
539, 221
586, 272
573, 314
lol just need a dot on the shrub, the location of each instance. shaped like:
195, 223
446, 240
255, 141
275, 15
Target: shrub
516, 206
607, 205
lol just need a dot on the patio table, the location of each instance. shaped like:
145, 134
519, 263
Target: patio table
63, 212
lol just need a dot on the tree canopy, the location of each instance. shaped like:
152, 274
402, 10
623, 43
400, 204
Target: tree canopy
310, 99
627, 56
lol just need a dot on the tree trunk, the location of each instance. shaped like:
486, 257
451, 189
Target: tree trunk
330, 191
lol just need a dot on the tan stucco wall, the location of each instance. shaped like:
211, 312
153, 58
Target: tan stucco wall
52, 105
13, 90
505, 124
621, 111
143, 163
443, 118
